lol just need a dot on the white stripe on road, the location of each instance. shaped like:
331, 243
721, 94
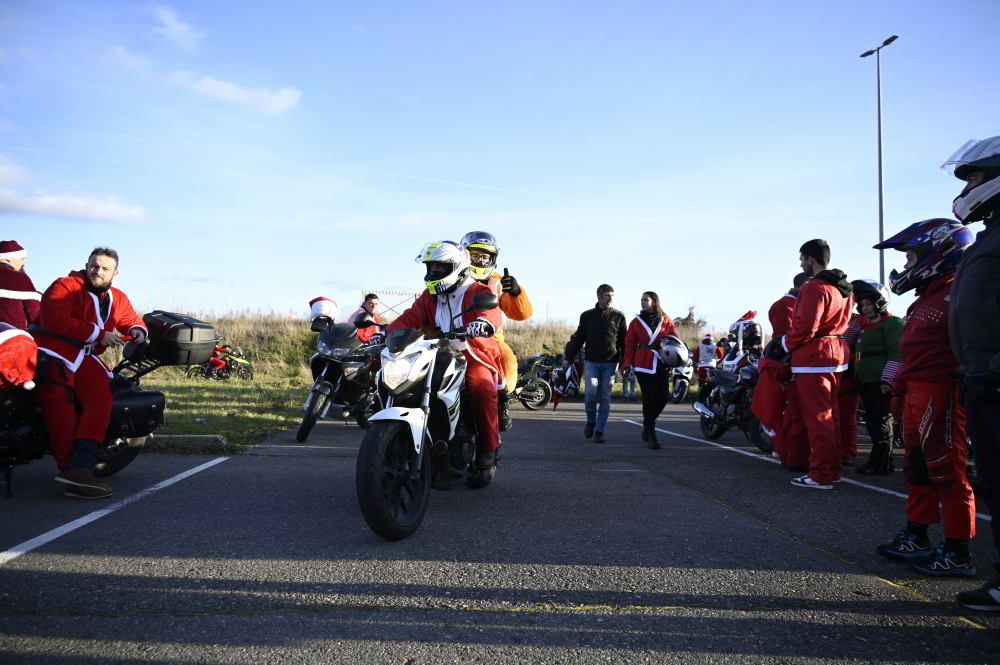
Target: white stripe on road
49, 536
758, 456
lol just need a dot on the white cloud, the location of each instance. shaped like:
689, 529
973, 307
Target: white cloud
259, 99
174, 29
107, 209
133, 62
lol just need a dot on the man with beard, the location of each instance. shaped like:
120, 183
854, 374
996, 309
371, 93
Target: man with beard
819, 355
81, 316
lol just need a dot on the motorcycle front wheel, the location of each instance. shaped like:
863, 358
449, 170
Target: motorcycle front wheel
535, 395
392, 481
314, 407
680, 391
245, 372
117, 453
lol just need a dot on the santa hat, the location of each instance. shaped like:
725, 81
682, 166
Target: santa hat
10, 249
323, 307
18, 355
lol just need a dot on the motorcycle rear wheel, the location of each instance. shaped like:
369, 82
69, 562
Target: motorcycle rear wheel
244, 372
314, 407
392, 481
758, 436
535, 395
116, 454
711, 429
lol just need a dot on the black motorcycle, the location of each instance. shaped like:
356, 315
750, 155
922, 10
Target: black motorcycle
342, 377
135, 413
728, 404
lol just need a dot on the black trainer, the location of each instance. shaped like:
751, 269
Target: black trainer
588, 430
905, 547
984, 599
652, 441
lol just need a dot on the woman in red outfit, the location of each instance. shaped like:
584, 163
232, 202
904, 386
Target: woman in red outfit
925, 399
643, 336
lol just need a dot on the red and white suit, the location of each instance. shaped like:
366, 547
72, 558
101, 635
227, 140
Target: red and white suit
434, 314
18, 298
770, 396
365, 334
74, 391
934, 434
706, 355
819, 355
638, 337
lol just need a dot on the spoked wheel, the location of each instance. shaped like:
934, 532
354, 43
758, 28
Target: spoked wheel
393, 482
758, 435
245, 371
680, 391
535, 395
116, 454
314, 407
195, 372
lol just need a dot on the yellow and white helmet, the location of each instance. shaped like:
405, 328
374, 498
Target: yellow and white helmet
485, 242
447, 263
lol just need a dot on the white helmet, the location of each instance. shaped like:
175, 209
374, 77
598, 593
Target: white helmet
983, 200
447, 263
673, 352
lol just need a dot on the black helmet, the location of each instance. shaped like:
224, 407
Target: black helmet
869, 289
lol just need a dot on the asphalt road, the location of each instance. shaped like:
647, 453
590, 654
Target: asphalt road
578, 553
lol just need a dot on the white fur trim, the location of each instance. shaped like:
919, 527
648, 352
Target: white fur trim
19, 254
20, 295
7, 335
94, 335
819, 370
72, 365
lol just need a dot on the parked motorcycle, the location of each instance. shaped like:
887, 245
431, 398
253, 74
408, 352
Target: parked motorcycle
226, 362
533, 389
728, 403
680, 378
136, 413
343, 383
424, 436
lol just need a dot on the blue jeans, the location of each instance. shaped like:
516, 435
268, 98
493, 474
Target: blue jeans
600, 378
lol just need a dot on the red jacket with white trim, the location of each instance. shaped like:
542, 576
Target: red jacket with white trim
780, 314
638, 337
365, 334
819, 322
433, 314
925, 347
71, 323
19, 301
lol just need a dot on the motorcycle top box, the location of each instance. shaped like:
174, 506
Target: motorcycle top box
175, 339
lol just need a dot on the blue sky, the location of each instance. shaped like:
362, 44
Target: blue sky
251, 156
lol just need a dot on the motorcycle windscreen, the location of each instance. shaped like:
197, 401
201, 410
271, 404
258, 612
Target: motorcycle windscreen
400, 339
339, 334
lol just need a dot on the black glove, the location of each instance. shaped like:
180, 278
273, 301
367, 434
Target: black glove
775, 350
509, 285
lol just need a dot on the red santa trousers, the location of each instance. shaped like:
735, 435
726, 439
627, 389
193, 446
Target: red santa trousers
813, 403
934, 441
481, 387
75, 405
848, 399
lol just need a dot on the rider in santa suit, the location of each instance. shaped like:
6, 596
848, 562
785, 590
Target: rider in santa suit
81, 316
706, 354
450, 290
818, 355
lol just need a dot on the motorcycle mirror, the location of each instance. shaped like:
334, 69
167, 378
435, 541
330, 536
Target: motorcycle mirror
485, 301
320, 323
363, 321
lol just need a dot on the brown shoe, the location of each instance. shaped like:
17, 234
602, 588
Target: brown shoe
83, 483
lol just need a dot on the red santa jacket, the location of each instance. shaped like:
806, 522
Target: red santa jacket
71, 322
638, 336
925, 347
19, 301
819, 322
780, 314
435, 314
365, 334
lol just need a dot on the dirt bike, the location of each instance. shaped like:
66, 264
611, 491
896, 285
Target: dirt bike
136, 413
425, 435
226, 362
728, 403
342, 377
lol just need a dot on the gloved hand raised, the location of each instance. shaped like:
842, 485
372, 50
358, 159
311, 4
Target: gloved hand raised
480, 328
509, 284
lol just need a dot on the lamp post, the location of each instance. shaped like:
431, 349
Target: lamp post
878, 89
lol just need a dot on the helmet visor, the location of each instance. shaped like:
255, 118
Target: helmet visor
481, 258
972, 151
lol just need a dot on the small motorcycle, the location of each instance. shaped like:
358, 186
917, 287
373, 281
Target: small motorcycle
680, 377
174, 339
728, 403
424, 436
226, 362
342, 374
533, 389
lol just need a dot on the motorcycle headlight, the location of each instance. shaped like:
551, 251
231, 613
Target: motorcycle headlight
351, 370
332, 351
396, 373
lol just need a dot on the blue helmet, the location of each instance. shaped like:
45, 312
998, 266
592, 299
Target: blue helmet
938, 243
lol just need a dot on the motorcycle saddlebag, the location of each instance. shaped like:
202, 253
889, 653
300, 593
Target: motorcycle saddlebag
136, 412
175, 339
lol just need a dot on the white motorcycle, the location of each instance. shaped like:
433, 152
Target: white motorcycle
425, 436
681, 379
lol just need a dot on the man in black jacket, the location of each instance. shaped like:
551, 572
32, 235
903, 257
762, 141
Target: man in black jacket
602, 335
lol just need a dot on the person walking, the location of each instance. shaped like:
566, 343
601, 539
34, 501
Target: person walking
645, 332
601, 334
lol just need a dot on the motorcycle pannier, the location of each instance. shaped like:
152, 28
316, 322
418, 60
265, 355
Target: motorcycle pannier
137, 412
175, 339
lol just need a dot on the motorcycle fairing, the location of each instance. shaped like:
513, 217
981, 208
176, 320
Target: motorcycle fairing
410, 416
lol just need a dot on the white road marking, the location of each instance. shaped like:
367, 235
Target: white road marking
771, 460
49, 536
288, 445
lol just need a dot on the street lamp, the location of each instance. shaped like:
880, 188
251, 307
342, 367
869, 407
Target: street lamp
878, 89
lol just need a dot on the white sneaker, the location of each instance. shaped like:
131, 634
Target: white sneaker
806, 481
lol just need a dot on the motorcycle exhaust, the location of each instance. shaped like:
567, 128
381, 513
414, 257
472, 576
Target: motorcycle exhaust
705, 411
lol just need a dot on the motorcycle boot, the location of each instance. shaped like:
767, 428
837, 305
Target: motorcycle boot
650, 437
503, 410
483, 471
